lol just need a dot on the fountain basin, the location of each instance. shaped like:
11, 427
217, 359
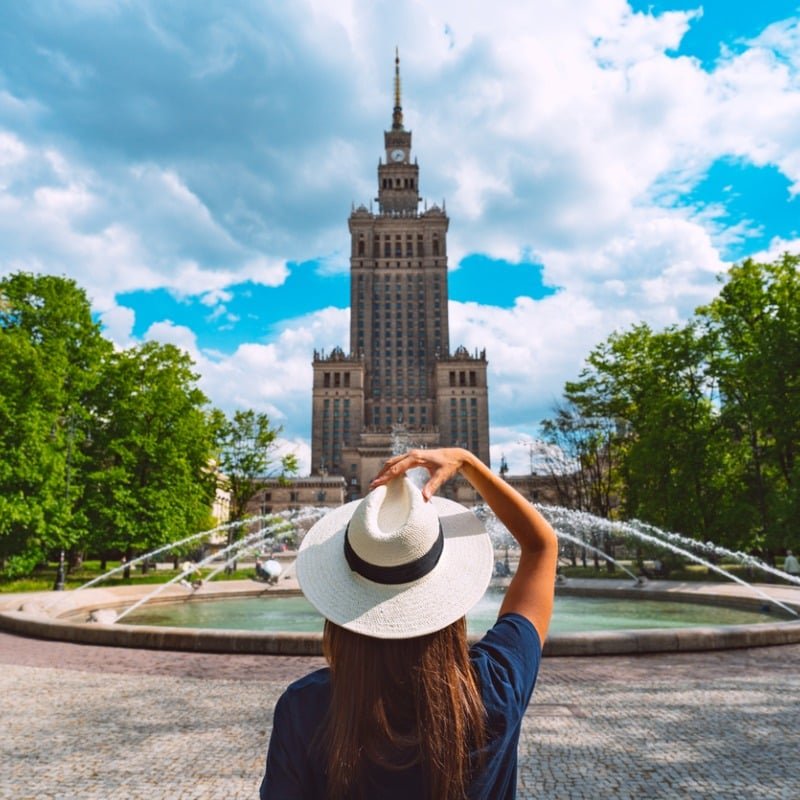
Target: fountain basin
61, 616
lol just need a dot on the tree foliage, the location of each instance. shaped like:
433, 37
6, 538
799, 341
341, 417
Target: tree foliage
150, 451
703, 419
581, 458
103, 449
247, 444
753, 327
50, 349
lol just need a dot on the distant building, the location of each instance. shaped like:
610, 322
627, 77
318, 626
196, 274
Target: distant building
221, 507
277, 495
399, 381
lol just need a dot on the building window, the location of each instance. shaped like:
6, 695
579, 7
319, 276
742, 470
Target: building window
326, 380
347, 379
452, 378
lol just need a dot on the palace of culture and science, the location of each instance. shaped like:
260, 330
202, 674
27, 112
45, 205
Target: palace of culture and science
398, 384
399, 379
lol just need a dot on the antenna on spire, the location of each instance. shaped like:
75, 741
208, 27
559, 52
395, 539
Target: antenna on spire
397, 115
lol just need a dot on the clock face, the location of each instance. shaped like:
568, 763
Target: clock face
398, 155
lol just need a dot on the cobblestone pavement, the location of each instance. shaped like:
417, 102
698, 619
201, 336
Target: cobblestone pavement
99, 723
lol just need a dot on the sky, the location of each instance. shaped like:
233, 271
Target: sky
192, 166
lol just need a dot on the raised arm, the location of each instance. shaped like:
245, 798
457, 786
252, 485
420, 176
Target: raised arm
532, 587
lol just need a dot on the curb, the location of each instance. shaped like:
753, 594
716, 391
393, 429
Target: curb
48, 616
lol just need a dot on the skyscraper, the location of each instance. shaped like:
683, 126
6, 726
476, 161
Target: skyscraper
398, 382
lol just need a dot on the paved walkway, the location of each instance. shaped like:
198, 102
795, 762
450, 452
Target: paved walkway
100, 723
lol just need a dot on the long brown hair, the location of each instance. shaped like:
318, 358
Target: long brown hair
398, 701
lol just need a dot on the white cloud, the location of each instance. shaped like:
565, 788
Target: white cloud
567, 132
274, 378
777, 247
12, 150
216, 297
117, 323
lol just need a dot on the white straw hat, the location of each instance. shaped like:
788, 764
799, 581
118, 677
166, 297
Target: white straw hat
393, 566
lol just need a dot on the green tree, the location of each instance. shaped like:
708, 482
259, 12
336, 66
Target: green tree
247, 447
657, 389
582, 458
754, 330
151, 451
50, 355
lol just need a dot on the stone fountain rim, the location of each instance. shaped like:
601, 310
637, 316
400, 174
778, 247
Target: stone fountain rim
52, 615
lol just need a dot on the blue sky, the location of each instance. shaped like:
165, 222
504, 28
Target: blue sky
192, 165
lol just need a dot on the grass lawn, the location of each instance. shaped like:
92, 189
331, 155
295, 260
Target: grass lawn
687, 572
44, 578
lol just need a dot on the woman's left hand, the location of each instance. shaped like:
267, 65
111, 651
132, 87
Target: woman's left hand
442, 464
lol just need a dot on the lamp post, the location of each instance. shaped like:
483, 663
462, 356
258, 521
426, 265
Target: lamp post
61, 572
532, 447
503, 467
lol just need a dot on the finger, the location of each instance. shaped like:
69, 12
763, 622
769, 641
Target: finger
391, 469
432, 486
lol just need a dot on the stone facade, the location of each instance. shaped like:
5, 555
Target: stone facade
276, 495
536, 488
398, 384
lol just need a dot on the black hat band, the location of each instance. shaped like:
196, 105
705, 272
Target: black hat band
400, 573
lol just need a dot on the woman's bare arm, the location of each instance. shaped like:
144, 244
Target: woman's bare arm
532, 587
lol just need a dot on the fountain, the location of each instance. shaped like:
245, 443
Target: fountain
560, 517
66, 615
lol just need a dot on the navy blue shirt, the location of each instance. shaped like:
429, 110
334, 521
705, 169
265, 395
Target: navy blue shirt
506, 662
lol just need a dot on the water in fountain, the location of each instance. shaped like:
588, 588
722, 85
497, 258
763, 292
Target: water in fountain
306, 514
561, 518
172, 546
601, 553
715, 549
263, 536
570, 525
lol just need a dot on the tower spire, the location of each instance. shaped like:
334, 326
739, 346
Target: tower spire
397, 115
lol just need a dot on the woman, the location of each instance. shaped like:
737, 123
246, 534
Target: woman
405, 708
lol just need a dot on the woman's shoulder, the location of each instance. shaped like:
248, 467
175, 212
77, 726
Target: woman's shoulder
511, 631
507, 660
316, 682
304, 703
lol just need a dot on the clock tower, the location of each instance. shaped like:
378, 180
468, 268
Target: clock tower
398, 178
398, 385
